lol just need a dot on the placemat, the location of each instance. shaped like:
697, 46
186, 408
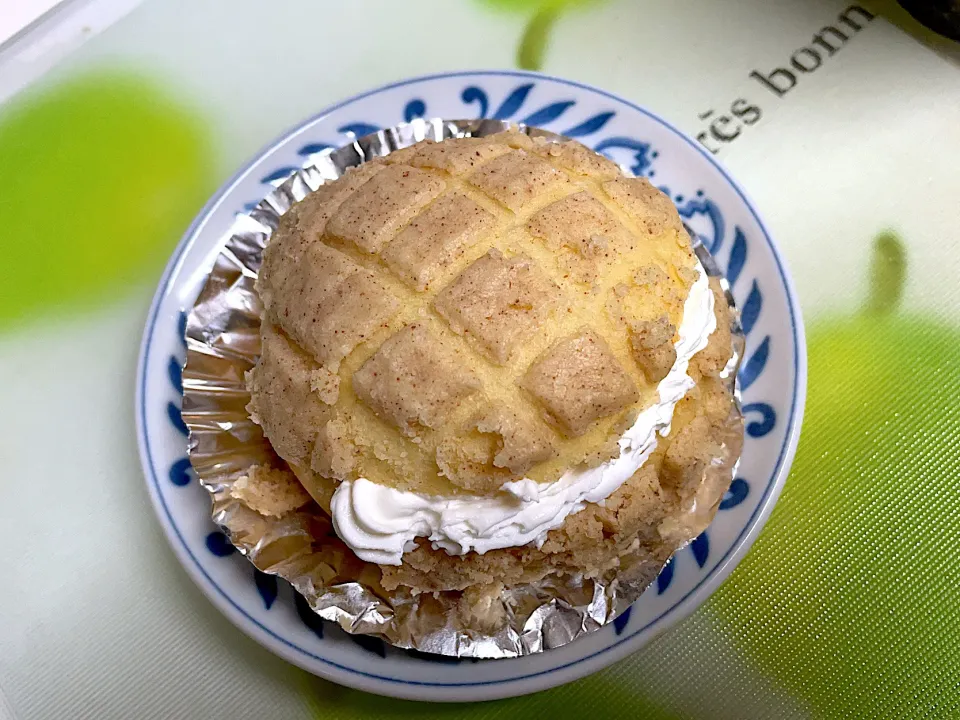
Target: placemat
844, 129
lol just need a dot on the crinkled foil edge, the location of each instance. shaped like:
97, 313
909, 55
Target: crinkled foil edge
223, 342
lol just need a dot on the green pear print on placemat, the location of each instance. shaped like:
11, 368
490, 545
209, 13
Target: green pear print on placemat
543, 14
605, 695
99, 177
851, 596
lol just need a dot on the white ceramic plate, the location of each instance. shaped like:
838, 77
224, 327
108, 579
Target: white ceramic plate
772, 379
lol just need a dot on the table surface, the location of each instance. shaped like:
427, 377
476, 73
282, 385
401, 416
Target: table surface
849, 603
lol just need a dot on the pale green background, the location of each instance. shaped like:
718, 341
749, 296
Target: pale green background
848, 604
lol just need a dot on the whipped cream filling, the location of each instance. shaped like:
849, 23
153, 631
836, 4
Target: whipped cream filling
379, 523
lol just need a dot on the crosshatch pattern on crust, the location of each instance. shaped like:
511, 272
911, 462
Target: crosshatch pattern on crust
451, 281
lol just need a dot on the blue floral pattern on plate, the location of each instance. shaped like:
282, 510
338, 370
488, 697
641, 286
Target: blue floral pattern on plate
641, 143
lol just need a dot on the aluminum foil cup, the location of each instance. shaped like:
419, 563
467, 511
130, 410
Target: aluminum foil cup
223, 342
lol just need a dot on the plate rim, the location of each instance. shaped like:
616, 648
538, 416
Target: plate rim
485, 689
